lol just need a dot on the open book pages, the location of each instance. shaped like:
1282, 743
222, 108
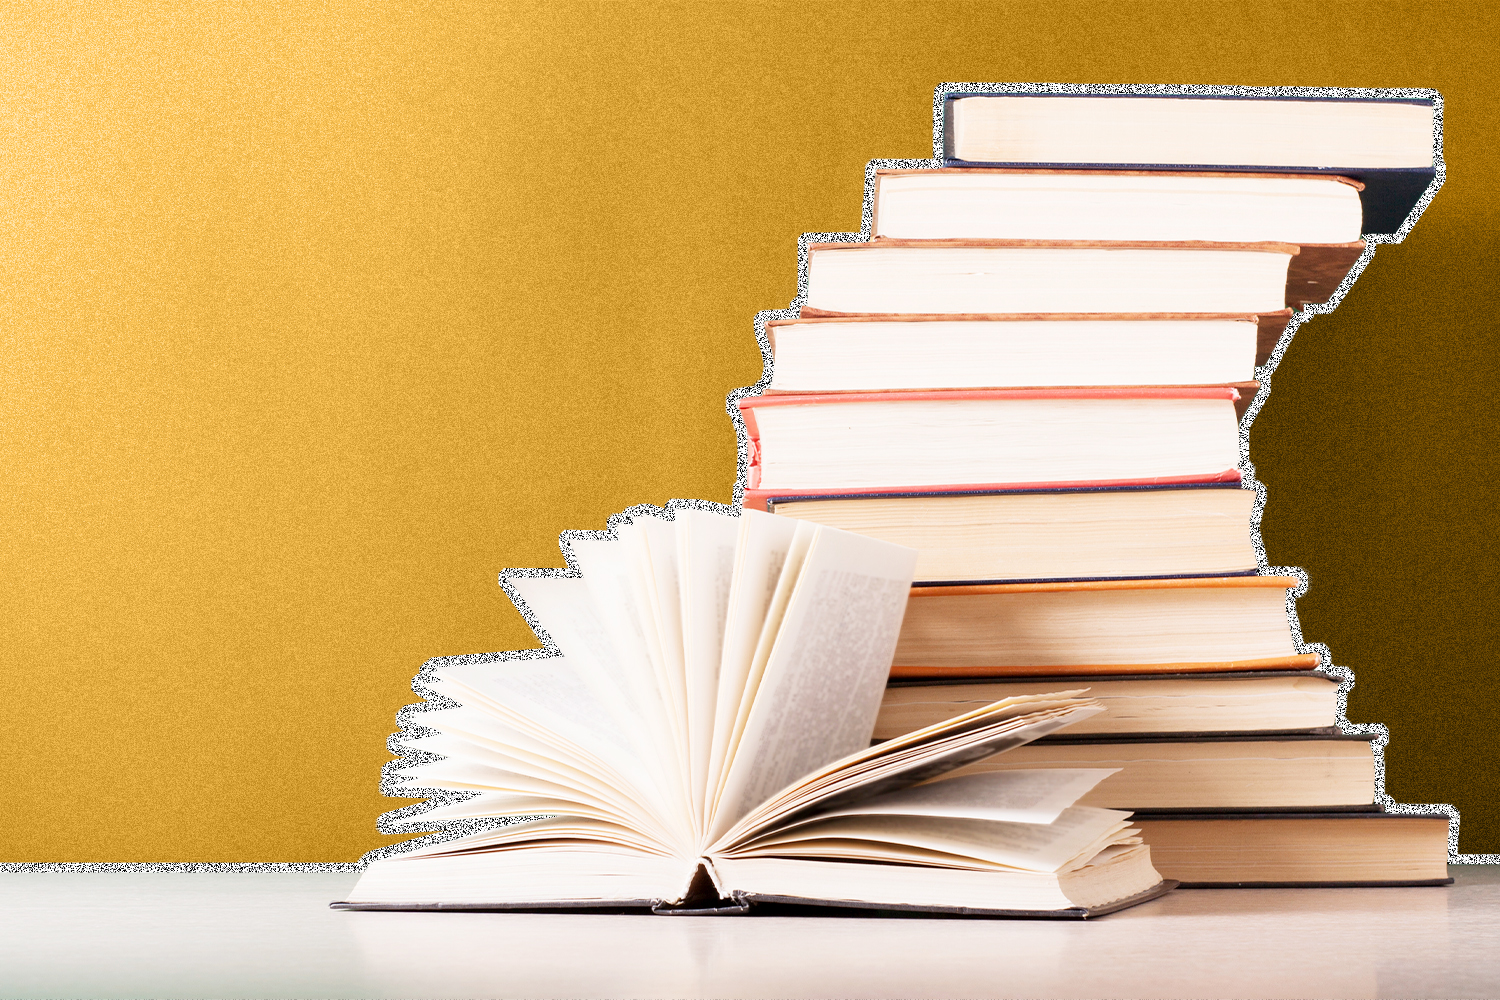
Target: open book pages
703, 741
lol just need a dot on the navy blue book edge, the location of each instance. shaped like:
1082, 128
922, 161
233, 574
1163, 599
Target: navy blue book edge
1389, 195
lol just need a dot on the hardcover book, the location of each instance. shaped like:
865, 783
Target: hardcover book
1143, 705
909, 333
1384, 143
980, 204
1350, 848
882, 354
1211, 771
873, 442
1013, 536
1099, 627
956, 277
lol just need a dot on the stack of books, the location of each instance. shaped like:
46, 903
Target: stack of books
1034, 374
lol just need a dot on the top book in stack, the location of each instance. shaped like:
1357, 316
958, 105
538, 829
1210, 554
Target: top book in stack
1386, 144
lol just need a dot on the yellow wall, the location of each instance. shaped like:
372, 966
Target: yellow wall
313, 318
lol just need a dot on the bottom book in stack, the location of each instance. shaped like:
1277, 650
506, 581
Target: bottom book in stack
1235, 779
1299, 847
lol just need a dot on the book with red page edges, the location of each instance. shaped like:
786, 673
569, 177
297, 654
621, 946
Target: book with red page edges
1130, 436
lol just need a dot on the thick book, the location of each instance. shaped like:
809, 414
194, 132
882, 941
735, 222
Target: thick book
1015, 536
1344, 848
1104, 627
1387, 144
703, 742
1141, 706
875, 354
1211, 772
983, 204
874, 442
954, 277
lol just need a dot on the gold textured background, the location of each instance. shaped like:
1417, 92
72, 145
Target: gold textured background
315, 317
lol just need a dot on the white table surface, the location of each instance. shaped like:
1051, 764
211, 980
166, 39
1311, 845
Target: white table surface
167, 935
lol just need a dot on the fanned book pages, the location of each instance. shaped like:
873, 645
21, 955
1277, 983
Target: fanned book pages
703, 744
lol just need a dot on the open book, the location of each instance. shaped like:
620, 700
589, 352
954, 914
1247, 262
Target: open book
703, 743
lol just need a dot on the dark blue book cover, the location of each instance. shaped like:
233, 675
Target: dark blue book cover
1389, 195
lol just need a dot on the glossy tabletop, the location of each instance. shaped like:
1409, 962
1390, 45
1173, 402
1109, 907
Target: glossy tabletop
167, 935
